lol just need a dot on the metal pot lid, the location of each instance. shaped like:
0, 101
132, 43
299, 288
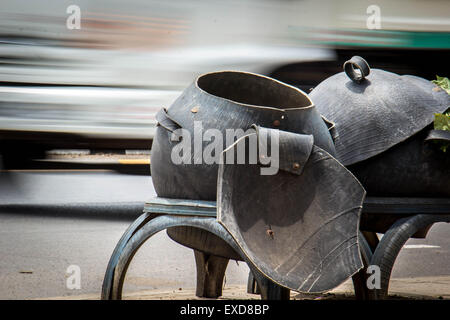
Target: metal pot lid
374, 109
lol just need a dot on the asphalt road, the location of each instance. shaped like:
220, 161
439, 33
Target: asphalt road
41, 235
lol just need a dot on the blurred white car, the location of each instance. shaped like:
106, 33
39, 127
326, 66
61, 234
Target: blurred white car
100, 85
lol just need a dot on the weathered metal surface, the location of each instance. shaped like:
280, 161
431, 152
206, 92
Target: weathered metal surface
226, 101
378, 112
382, 120
299, 227
413, 168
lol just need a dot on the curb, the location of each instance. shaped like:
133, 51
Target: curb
95, 210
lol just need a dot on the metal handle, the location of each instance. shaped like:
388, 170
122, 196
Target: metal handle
359, 63
438, 135
164, 120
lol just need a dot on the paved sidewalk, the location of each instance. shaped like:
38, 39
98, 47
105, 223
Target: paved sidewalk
406, 288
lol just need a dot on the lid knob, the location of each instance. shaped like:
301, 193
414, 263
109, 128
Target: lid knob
356, 68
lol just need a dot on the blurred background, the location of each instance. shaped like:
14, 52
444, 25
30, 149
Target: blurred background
96, 83
82, 80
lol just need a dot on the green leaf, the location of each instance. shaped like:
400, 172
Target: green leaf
442, 82
442, 121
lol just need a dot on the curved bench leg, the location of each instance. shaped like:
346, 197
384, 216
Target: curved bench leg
122, 257
252, 286
360, 278
391, 244
210, 274
268, 289
131, 230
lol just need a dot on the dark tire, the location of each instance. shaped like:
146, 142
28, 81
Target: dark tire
393, 241
359, 279
366, 251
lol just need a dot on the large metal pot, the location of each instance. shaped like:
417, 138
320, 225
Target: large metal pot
224, 101
382, 122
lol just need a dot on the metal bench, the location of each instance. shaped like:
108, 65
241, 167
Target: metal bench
398, 218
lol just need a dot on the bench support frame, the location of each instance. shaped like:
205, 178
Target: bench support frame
166, 213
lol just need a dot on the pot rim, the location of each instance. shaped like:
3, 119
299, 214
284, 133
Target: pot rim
304, 94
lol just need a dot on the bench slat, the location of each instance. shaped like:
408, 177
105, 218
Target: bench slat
181, 207
372, 206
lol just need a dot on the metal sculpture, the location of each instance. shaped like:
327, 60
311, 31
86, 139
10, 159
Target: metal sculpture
222, 101
384, 126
